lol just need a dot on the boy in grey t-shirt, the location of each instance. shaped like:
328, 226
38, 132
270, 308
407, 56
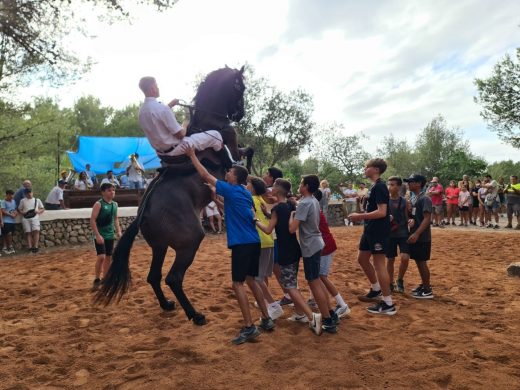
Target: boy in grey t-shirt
306, 219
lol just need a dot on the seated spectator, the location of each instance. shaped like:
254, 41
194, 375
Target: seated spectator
20, 194
148, 180
31, 208
123, 181
111, 179
83, 183
54, 200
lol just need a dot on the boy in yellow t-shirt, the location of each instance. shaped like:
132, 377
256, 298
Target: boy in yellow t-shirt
257, 188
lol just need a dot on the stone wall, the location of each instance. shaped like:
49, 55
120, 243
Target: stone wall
335, 215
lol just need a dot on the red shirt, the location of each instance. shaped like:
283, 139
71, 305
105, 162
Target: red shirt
452, 193
330, 243
436, 199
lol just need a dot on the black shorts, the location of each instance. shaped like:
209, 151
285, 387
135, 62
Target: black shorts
311, 266
376, 245
8, 228
464, 208
104, 249
245, 259
393, 243
420, 251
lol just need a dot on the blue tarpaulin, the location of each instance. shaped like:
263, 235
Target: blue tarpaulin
112, 153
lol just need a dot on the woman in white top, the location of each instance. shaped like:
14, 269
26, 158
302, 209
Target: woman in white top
83, 183
324, 202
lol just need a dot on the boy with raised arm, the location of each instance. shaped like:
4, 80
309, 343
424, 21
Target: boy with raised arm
374, 240
242, 239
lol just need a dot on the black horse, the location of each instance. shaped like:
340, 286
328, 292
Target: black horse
169, 213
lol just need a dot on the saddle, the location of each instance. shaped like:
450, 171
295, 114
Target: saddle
182, 165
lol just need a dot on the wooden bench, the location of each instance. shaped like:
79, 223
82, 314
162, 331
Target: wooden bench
74, 199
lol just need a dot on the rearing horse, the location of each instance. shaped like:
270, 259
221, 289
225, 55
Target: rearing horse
169, 213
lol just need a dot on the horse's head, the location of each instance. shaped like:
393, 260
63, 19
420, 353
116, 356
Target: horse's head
236, 101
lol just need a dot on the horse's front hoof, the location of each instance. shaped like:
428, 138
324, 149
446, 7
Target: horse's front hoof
199, 319
168, 306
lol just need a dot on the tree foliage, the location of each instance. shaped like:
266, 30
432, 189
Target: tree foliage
342, 151
276, 124
32, 33
504, 168
499, 96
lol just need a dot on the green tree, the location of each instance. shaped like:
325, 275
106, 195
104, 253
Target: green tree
276, 124
399, 156
90, 117
435, 144
125, 122
32, 36
499, 96
342, 151
504, 168
461, 163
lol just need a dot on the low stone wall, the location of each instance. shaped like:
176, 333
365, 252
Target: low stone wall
335, 215
68, 227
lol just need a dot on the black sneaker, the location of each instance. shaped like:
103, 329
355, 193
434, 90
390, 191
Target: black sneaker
246, 334
416, 289
497, 227
334, 317
399, 286
423, 293
329, 326
285, 301
267, 324
372, 296
382, 308
392, 287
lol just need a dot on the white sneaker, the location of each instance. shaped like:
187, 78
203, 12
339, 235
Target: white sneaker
298, 318
315, 324
342, 311
275, 311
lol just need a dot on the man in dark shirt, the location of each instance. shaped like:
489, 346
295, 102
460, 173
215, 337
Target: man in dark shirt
374, 240
420, 239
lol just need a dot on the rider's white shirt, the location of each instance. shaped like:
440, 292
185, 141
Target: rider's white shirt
159, 124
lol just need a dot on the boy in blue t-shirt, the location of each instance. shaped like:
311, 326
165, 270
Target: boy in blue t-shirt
242, 239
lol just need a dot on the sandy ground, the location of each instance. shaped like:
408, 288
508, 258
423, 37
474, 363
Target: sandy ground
466, 338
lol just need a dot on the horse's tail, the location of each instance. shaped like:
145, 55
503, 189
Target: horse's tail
118, 279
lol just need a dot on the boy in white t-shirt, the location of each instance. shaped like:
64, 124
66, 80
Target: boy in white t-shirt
212, 212
30, 208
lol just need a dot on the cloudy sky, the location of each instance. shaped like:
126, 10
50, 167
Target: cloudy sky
379, 67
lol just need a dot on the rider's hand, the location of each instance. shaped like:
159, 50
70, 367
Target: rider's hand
173, 103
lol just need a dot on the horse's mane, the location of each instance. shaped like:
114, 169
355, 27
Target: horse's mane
211, 85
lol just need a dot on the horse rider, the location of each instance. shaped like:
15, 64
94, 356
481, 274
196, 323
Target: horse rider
163, 131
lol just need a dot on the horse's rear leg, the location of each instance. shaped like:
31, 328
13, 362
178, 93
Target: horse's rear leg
155, 276
174, 279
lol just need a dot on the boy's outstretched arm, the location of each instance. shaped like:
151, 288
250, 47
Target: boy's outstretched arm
203, 172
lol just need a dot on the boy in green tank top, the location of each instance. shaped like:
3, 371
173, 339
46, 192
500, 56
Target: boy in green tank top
105, 226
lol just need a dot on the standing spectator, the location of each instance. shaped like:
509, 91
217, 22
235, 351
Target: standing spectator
20, 193
475, 212
31, 208
91, 175
212, 213
83, 183
54, 200
111, 179
420, 239
464, 202
452, 201
501, 196
325, 198
9, 214
350, 198
435, 192
492, 202
243, 240
362, 194
306, 219
374, 240
105, 226
135, 173
512, 192
482, 203
398, 234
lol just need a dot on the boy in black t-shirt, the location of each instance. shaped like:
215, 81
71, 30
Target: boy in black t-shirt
420, 239
374, 240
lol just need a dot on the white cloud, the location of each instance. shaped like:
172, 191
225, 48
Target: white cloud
378, 67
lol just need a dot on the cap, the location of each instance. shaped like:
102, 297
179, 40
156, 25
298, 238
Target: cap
415, 178
62, 182
27, 190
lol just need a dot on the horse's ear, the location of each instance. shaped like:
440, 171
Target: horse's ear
227, 67
242, 69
